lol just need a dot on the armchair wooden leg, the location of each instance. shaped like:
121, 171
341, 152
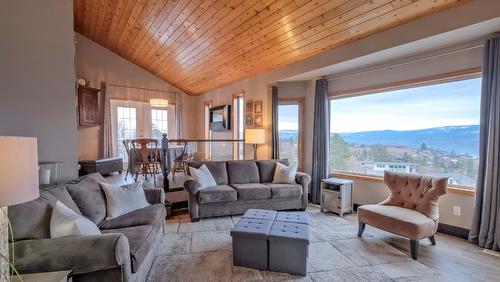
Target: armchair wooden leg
414, 249
361, 229
433, 240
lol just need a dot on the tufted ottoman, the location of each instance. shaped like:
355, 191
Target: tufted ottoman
250, 243
260, 214
288, 247
293, 217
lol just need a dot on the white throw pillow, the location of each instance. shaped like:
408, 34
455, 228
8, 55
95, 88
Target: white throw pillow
285, 174
122, 200
203, 176
66, 222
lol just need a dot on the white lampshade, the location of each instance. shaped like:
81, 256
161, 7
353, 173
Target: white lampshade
255, 136
18, 170
159, 103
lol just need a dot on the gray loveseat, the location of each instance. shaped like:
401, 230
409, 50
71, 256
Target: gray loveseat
124, 252
242, 185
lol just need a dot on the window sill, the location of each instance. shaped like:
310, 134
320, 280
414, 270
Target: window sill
454, 189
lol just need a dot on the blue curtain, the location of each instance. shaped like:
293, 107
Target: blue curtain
485, 229
320, 139
276, 136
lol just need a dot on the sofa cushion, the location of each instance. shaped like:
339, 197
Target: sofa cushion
141, 239
218, 194
89, 197
31, 220
252, 191
242, 172
146, 216
217, 169
267, 169
62, 195
279, 190
402, 221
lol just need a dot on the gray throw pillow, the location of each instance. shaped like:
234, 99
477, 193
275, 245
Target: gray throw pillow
89, 197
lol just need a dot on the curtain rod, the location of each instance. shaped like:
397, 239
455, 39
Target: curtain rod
407, 62
141, 88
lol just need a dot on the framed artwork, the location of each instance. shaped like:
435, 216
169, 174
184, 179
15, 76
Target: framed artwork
259, 121
249, 119
258, 107
249, 106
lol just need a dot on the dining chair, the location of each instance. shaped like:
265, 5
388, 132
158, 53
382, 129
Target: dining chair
148, 157
180, 163
126, 143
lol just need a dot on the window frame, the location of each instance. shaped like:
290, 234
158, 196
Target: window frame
300, 102
425, 81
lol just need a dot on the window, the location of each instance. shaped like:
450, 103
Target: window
431, 130
238, 129
126, 128
159, 123
207, 132
289, 114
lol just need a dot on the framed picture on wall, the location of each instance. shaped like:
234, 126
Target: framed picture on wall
258, 107
249, 106
259, 121
249, 119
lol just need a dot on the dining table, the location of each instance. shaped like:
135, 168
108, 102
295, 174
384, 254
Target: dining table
174, 151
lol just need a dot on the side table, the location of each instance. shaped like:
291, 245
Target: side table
336, 195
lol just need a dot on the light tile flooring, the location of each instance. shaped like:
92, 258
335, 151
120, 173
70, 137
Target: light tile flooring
201, 251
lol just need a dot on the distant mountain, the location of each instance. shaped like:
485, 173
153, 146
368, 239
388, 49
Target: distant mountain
460, 139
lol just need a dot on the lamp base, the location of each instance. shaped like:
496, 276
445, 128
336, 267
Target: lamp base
255, 151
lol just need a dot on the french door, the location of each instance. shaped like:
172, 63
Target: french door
132, 119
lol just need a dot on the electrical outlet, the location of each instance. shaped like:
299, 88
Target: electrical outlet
457, 210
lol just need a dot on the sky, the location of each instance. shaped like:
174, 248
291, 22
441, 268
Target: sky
288, 117
445, 104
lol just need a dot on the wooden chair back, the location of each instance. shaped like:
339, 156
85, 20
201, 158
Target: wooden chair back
146, 150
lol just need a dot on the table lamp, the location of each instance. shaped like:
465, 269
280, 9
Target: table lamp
18, 183
255, 136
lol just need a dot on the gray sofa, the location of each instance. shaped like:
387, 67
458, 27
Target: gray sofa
242, 185
124, 252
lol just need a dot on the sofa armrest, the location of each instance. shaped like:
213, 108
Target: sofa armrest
304, 179
191, 185
155, 195
82, 254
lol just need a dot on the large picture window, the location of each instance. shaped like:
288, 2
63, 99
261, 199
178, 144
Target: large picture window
430, 130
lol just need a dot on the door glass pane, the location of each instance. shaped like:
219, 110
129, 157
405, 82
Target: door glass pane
159, 123
289, 135
126, 121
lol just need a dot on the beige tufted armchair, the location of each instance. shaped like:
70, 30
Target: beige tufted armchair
411, 209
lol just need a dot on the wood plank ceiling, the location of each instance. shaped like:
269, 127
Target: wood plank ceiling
200, 45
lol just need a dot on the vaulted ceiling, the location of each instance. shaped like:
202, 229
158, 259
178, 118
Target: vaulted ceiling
200, 45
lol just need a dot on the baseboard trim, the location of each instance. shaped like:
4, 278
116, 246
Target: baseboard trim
453, 230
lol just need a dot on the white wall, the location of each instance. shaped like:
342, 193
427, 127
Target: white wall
37, 78
98, 64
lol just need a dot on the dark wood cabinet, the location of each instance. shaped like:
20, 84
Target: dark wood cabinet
88, 105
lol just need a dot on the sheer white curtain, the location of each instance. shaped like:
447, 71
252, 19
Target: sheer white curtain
106, 127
